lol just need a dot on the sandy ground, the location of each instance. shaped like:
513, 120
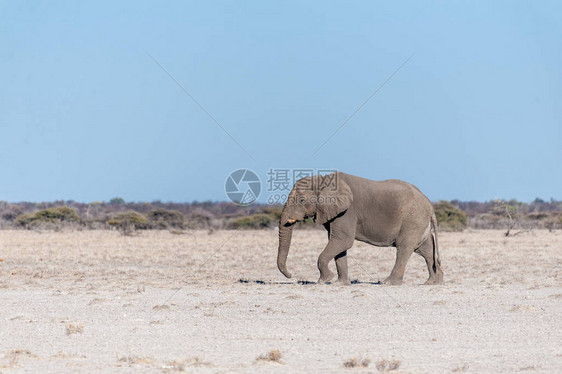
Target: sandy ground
94, 301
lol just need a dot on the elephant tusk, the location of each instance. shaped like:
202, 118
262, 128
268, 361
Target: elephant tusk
291, 220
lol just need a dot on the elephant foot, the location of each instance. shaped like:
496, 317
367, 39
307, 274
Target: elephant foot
433, 281
324, 279
392, 281
343, 282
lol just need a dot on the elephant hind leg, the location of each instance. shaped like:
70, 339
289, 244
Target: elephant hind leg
434, 268
396, 276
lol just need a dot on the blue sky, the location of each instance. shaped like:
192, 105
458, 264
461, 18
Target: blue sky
87, 115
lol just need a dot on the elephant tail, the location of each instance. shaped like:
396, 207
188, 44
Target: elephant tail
436, 259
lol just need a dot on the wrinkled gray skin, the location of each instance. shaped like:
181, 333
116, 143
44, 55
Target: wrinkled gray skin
381, 213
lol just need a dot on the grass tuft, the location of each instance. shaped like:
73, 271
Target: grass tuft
387, 365
274, 355
355, 362
72, 328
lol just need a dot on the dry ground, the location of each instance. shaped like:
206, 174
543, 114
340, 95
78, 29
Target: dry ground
95, 301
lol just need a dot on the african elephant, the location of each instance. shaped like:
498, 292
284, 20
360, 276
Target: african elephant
381, 213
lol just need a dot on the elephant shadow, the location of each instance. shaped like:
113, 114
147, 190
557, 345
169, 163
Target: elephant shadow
300, 282
357, 281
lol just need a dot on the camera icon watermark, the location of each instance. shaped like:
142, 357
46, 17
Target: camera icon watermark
243, 187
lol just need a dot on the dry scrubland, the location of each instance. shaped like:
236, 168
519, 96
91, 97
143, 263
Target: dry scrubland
94, 301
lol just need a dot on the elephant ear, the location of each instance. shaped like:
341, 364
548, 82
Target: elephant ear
334, 197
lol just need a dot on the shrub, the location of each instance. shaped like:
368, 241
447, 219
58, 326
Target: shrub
274, 212
199, 219
449, 217
128, 222
49, 217
554, 222
255, 221
165, 219
25, 220
511, 212
59, 214
11, 212
116, 201
537, 216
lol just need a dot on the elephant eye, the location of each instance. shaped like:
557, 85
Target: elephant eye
301, 200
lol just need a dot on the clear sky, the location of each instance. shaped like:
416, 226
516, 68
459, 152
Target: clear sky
86, 114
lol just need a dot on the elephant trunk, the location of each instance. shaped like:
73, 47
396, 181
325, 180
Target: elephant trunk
285, 235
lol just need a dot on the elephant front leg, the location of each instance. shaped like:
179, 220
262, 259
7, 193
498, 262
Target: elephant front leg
333, 249
341, 266
325, 257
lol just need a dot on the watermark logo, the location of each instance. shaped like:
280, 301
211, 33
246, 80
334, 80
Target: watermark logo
280, 181
243, 186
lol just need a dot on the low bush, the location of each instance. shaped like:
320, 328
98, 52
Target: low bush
128, 222
199, 219
274, 212
537, 216
58, 214
496, 214
11, 212
449, 217
254, 221
163, 219
553, 222
48, 218
116, 201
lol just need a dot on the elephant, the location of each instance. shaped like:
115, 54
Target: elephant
381, 213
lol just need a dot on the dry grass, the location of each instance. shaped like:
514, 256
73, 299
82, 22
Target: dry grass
355, 362
460, 369
13, 357
162, 259
74, 328
65, 356
136, 360
175, 365
274, 355
163, 295
198, 362
388, 365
